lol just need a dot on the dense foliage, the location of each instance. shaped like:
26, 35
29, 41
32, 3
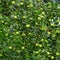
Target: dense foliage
29, 30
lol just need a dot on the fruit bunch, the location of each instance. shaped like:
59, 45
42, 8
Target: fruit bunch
29, 30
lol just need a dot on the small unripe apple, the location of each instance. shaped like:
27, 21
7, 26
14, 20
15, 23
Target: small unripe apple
1, 55
52, 57
17, 32
27, 25
57, 53
36, 52
6, 34
15, 17
37, 44
23, 47
39, 18
40, 45
43, 13
23, 34
10, 47
21, 3
13, 2
48, 53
